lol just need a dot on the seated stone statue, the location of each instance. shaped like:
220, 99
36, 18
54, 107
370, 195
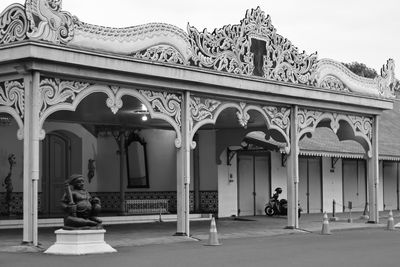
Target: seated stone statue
81, 208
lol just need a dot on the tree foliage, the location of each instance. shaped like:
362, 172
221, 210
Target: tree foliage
361, 69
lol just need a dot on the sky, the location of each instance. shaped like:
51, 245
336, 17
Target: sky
366, 31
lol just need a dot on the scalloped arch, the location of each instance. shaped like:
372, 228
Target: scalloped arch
334, 119
242, 110
114, 102
14, 114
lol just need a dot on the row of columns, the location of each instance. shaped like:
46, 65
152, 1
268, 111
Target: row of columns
31, 166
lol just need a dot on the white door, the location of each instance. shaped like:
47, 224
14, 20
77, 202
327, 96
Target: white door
390, 184
314, 185
354, 184
253, 185
310, 186
246, 185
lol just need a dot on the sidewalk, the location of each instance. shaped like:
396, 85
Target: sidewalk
140, 234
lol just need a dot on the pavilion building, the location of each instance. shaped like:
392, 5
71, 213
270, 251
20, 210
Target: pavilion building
158, 118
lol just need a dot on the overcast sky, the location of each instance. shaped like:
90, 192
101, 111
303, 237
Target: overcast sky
366, 31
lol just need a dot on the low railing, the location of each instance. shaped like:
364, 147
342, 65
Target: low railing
146, 206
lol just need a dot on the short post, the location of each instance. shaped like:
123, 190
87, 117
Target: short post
334, 218
350, 205
365, 213
159, 219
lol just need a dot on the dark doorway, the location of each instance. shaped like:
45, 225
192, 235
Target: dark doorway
56, 157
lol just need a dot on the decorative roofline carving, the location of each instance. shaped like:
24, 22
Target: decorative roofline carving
13, 24
230, 49
251, 48
161, 53
382, 86
132, 40
48, 22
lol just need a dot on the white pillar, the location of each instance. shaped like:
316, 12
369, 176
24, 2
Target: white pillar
183, 171
292, 168
27, 237
121, 145
373, 174
31, 158
180, 193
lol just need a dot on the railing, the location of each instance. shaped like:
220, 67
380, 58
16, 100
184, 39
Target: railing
146, 206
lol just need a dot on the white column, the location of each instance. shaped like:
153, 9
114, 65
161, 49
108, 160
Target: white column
35, 153
27, 237
31, 158
292, 168
183, 172
373, 174
122, 169
180, 193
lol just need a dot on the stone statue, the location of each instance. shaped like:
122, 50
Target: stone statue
80, 207
8, 182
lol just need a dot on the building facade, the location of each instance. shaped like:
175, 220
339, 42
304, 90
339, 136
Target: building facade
154, 112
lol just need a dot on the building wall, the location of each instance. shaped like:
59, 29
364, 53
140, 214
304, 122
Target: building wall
161, 160
227, 187
278, 174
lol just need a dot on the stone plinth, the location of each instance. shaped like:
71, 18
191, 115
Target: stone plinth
79, 242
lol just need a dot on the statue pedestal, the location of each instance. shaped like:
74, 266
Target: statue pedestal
79, 242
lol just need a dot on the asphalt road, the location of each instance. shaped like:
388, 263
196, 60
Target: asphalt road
367, 247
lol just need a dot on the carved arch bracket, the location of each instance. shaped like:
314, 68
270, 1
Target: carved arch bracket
165, 106
12, 101
206, 111
308, 121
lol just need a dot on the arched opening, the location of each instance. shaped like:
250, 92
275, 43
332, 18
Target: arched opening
333, 166
240, 141
107, 150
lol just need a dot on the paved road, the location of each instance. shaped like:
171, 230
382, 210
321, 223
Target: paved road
367, 247
162, 233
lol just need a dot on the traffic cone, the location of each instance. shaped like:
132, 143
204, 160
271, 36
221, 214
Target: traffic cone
325, 226
390, 222
213, 238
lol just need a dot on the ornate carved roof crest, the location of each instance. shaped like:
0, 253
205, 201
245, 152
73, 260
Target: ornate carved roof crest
13, 24
48, 22
251, 48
